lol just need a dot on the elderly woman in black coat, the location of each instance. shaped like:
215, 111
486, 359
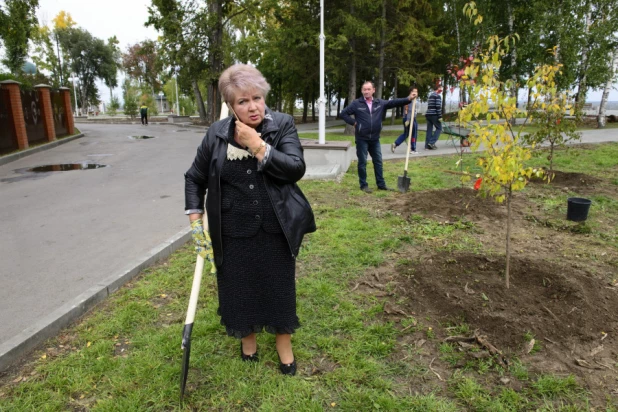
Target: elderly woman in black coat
257, 215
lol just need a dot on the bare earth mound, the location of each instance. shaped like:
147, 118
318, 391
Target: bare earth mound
562, 304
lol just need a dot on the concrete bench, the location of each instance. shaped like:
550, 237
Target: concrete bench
179, 119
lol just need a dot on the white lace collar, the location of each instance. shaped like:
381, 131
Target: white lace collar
234, 153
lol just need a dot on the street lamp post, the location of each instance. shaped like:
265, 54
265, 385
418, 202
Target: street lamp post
161, 101
75, 94
322, 99
177, 105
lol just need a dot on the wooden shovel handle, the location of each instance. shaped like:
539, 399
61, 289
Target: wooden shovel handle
405, 169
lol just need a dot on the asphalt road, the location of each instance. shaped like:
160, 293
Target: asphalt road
62, 232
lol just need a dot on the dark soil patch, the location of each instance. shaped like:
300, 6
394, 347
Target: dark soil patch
570, 313
570, 180
450, 203
563, 304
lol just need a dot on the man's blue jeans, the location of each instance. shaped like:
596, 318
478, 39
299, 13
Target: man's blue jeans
373, 147
433, 121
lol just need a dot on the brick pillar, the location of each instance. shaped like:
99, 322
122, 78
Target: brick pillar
68, 112
17, 112
47, 112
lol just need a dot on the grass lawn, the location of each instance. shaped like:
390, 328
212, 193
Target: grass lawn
355, 351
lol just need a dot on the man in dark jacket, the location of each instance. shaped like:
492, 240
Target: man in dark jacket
143, 111
433, 116
367, 122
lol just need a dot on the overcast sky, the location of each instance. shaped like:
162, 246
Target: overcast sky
126, 18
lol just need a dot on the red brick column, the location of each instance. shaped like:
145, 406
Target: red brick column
17, 112
68, 112
47, 113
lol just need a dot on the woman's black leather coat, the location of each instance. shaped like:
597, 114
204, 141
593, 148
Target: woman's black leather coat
284, 167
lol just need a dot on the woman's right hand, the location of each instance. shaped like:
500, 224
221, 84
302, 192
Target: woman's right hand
203, 243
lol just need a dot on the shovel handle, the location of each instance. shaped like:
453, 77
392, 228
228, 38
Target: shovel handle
195, 289
412, 116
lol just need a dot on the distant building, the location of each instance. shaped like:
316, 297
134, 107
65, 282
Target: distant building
162, 104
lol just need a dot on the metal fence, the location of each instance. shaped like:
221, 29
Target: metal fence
33, 116
57, 101
8, 140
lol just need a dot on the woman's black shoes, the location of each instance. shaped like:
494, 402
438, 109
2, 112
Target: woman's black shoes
287, 368
248, 358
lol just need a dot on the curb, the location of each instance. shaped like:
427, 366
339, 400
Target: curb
16, 156
27, 340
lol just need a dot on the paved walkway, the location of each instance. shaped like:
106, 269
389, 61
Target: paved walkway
69, 236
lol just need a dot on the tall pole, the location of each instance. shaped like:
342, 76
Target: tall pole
177, 105
75, 94
322, 99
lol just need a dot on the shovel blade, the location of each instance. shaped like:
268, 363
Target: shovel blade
403, 183
186, 354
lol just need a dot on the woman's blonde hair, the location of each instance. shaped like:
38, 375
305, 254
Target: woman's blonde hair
241, 77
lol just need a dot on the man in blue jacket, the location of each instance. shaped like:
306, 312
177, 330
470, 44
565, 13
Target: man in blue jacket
367, 122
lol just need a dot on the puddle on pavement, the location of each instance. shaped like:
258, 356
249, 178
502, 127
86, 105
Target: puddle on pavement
64, 167
39, 172
181, 130
141, 137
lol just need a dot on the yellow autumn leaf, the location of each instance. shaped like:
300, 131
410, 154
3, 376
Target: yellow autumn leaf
88, 344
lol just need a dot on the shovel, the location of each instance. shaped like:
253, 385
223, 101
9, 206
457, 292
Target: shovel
195, 293
188, 328
403, 182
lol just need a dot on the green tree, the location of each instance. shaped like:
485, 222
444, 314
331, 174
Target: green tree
503, 168
90, 59
113, 106
110, 66
18, 22
549, 111
141, 63
130, 95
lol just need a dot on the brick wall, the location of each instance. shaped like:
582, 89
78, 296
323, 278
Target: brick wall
47, 112
16, 112
68, 112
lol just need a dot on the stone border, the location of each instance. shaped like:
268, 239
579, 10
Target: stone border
49, 326
27, 152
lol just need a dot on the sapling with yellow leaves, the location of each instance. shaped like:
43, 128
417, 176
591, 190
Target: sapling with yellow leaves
490, 117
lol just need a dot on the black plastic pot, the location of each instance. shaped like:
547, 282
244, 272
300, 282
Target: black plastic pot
577, 208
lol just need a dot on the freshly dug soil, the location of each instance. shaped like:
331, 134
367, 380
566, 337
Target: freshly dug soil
563, 304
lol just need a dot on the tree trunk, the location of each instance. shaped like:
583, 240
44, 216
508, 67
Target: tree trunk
338, 102
444, 95
380, 84
580, 96
199, 100
305, 106
462, 91
216, 61
394, 112
608, 87
551, 157
509, 193
313, 99
280, 97
349, 129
